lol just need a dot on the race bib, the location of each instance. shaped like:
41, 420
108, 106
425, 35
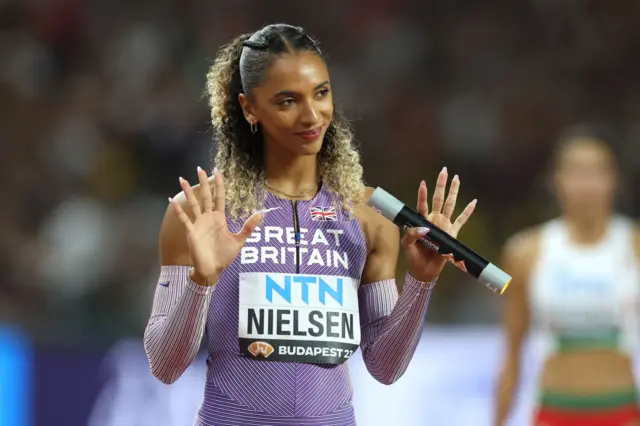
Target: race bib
298, 318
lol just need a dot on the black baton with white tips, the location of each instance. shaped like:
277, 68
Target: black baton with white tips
494, 278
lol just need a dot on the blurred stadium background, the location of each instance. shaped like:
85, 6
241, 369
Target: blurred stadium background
102, 108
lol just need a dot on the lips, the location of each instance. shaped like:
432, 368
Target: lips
310, 134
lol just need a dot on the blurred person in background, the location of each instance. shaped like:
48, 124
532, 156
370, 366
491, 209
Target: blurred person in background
577, 278
288, 199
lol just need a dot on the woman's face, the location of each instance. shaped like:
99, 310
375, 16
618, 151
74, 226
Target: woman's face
585, 178
294, 105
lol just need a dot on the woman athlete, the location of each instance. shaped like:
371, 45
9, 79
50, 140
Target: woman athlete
577, 277
281, 263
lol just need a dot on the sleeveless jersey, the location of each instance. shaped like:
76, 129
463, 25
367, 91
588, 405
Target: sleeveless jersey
315, 237
586, 296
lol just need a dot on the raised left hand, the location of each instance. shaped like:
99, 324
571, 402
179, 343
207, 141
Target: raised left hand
424, 263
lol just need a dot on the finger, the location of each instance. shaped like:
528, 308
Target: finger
438, 195
205, 191
464, 216
413, 235
423, 202
452, 197
218, 185
250, 225
180, 214
191, 198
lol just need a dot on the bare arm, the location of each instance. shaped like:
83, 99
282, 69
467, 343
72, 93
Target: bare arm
519, 253
196, 246
383, 241
391, 325
177, 322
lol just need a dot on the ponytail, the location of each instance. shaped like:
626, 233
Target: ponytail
238, 150
224, 83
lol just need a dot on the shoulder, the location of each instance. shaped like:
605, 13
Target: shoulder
374, 225
366, 211
382, 239
173, 239
521, 249
628, 230
376, 228
362, 207
524, 240
519, 255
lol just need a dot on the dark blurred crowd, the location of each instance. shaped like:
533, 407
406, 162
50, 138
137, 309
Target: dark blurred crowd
102, 108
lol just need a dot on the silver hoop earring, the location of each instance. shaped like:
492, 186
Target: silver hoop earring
254, 127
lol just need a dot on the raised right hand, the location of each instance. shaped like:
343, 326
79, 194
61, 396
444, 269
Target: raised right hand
212, 246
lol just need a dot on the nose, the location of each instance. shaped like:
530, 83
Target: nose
309, 114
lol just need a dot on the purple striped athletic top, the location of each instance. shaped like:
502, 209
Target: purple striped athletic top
314, 237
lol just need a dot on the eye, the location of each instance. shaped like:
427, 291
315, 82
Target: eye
323, 92
286, 102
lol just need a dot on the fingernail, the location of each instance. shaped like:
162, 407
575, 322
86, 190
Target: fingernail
423, 231
444, 169
475, 201
215, 170
456, 177
423, 183
170, 199
180, 179
199, 169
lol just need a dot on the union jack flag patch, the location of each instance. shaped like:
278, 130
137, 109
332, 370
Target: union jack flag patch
323, 214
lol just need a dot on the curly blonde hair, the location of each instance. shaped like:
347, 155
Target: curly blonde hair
240, 66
